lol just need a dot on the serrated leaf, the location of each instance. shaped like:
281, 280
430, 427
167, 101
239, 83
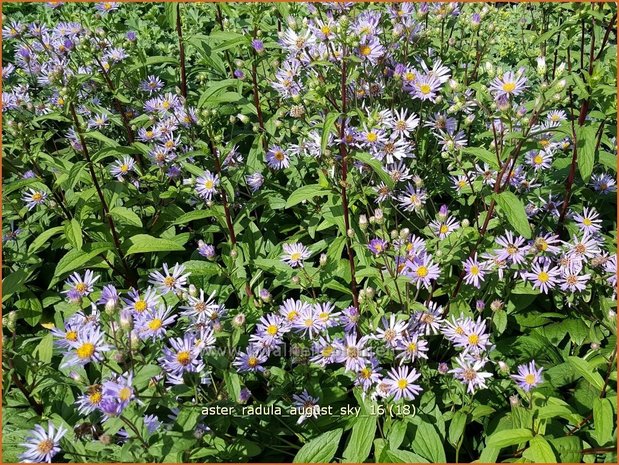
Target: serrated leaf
13, 282
320, 449
73, 233
603, 420
326, 130
456, 427
514, 211
586, 141
482, 154
539, 451
428, 443
403, 456
42, 238
75, 259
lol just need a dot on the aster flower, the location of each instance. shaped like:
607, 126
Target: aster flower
586, 247
543, 277
308, 323
469, 371
369, 375
350, 318
122, 167
151, 84
324, 350
88, 347
171, 279
539, 160
152, 323
474, 338
428, 321
206, 250
513, 249
425, 87
106, 7
571, 279
353, 353
200, 309
291, 309
371, 50
444, 228
422, 270
82, 286
475, 271
391, 331
182, 356
137, 304
377, 246
603, 183
42, 445
269, 331
308, 405
276, 158
413, 199
529, 376
325, 311
508, 85
206, 185
254, 181
411, 348
295, 254
589, 221
109, 297
119, 389
32, 198
250, 361
90, 400
402, 124
401, 381
546, 244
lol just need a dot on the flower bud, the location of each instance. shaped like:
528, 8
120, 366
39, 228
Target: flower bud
193, 290
265, 295
295, 280
370, 292
350, 233
323, 259
404, 232
238, 320
363, 222
234, 253
465, 223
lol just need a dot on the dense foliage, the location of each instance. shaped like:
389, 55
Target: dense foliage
311, 232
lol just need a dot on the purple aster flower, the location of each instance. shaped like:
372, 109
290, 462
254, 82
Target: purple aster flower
469, 371
244, 395
401, 383
42, 445
151, 84
508, 85
32, 198
239, 74
422, 270
377, 246
589, 221
206, 185
254, 181
295, 254
131, 36
513, 248
475, 271
172, 279
119, 389
182, 356
206, 250
88, 347
257, 45
350, 318
276, 158
109, 297
369, 375
354, 353
529, 376
543, 277
152, 323
122, 167
83, 286
250, 361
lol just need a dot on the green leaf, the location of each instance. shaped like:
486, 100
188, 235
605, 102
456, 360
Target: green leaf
514, 211
233, 385
73, 232
377, 166
482, 154
456, 427
12, 283
74, 259
30, 308
585, 136
603, 420
126, 216
194, 215
305, 193
320, 449
326, 130
201, 268
568, 448
403, 456
42, 238
45, 348
539, 451
509, 437
143, 243
584, 369
360, 442
428, 443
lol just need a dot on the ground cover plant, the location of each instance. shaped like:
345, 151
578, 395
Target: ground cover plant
309, 232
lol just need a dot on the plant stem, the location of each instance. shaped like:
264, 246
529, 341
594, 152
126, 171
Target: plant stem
181, 50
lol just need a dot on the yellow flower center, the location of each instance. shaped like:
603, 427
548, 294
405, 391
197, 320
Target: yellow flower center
402, 383
252, 361
529, 379
543, 277
81, 287
308, 323
139, 306
538, 160
365, 50
125, 394
587, 221
279, 155
95, 397
474, 270
326, 30
86, 350
292, 315
473, 339
366, 373
509, 87
371, 137
155, 324
183, 357
412, 347
444, 229
410, 76
71, 336
272, 330
169, 281
45, 446
37, 196
208, 184
327, 351
422, 271
124, 168
295, 256
424, 89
